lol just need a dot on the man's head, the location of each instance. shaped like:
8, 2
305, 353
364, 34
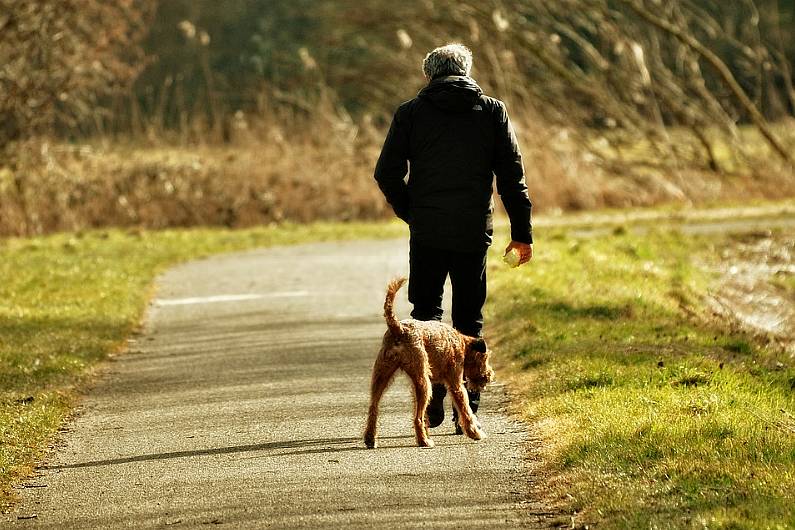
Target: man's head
451, 59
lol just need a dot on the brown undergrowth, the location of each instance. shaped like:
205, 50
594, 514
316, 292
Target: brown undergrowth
312, 170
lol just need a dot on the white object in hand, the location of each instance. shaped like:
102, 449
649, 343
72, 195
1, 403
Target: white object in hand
512, 258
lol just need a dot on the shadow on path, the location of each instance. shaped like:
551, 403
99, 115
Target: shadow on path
267, 446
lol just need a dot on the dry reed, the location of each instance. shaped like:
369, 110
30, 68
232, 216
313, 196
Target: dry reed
319, 170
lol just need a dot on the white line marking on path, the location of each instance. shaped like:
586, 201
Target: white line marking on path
227, 298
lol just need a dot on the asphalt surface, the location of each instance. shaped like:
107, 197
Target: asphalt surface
243, 402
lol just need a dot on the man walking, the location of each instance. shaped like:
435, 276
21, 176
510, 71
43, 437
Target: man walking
455, 140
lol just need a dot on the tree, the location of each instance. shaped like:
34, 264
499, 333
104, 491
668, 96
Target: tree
58, 58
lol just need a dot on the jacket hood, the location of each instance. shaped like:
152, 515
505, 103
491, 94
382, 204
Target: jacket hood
454, 93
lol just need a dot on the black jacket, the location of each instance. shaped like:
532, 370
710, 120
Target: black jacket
454, 139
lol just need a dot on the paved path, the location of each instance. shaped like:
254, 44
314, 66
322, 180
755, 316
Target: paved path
243, 402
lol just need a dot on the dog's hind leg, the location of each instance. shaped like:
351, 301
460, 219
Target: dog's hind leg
421, 379
465, 416
383, 372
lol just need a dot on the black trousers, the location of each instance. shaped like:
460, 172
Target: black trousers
428, 270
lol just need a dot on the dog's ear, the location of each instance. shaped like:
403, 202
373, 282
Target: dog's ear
479, 345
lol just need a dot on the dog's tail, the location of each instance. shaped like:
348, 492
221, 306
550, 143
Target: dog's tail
389, 310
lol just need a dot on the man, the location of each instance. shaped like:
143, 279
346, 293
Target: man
454, 139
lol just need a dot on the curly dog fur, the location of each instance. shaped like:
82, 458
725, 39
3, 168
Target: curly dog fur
428, 352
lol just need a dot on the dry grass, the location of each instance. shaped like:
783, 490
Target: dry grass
322, 170
65, 187
568, 171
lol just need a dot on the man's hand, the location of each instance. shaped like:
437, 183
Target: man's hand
525, 250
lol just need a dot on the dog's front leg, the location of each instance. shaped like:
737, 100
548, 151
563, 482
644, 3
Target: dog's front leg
465, 415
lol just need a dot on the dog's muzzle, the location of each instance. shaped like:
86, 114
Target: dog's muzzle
476, 384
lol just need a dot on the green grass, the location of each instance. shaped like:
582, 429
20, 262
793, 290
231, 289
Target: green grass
786, 283
651, 415
67, 301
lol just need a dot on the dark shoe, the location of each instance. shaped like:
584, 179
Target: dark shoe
435, 410
474, 401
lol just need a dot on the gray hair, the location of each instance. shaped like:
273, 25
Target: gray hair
451, 59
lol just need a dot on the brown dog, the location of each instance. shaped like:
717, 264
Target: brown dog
428, 352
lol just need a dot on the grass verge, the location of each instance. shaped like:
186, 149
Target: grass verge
651, 414
67, 301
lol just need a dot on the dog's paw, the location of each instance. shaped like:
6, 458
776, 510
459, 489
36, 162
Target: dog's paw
370, 443
477, 434
426, 444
